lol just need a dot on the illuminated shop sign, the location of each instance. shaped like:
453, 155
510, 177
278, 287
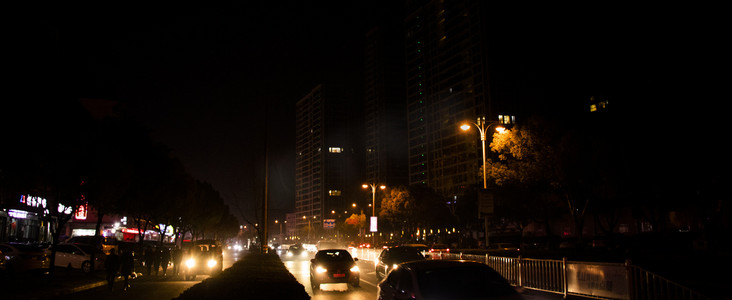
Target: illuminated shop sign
38, 202
81, 212
33, 201
18, 214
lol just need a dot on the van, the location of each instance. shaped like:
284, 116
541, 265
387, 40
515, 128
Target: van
106, 244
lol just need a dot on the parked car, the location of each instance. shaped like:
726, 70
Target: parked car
390, 258
333, 266
445, 279
106, 244
25, 258
78, 256
2, 263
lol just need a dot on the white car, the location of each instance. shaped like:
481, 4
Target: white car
78, 256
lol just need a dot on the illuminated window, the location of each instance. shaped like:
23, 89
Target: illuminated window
335, 149
334, 192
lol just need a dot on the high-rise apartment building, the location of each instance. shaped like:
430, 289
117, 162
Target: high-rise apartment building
323, 155
447, 83
384, 140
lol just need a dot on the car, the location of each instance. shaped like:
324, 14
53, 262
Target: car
390, 258
2, 263
203, 257
445, 279
333, 266
106, 244
21, 257
296, 251
504, 247
436, 248
78, 256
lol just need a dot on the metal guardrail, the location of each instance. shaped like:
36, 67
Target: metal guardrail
586, 279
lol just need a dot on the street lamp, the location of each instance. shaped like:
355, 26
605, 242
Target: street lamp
373, 195
309, 225
482, 126
373, 203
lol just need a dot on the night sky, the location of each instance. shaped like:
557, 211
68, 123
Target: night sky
201, 78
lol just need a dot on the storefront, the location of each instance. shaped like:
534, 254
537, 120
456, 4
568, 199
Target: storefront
23, 221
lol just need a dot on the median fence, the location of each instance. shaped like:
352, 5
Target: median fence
586, 279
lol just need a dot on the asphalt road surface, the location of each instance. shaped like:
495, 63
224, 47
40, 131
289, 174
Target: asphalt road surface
300, 268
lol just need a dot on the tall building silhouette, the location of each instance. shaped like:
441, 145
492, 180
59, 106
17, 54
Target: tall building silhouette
385, 147
447, 83
323, 160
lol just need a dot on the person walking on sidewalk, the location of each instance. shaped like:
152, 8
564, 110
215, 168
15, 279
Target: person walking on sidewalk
177, 256
127, 267
149, 254
164, 260
111, 266
156, 260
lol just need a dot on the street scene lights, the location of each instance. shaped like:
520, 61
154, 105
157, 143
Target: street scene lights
373, 206
309, 225
482, 127
373, 195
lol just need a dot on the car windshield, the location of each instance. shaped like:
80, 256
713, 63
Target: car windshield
340, 255
464, 282
406, 255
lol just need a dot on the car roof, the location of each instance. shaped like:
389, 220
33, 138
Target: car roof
431, 264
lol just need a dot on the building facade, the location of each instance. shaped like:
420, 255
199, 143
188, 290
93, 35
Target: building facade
385, 142
447, 84
323, 164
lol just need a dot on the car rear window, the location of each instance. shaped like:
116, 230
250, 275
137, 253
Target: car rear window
333, 255
464, 282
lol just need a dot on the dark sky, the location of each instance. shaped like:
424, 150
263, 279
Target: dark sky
203, 78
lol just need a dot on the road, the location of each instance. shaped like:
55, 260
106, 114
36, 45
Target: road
300, 268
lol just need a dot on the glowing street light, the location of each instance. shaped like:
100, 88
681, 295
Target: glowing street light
482, 126
373, 195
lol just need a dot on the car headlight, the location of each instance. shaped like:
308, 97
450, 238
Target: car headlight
289, 253
394, 266
354, 269
320, 269
304, 253
190, 263
211, 263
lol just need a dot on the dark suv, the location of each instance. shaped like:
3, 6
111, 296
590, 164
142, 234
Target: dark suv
203, 257
390, 258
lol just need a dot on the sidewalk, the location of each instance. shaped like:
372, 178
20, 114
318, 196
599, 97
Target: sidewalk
38, 287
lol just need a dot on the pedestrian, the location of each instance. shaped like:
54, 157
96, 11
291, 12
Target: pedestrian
127, 267
111, 266
149, 260
165, 259
177, 256
156, 260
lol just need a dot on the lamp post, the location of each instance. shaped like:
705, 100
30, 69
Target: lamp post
373, 202
373, 195
309, 225
482, 127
